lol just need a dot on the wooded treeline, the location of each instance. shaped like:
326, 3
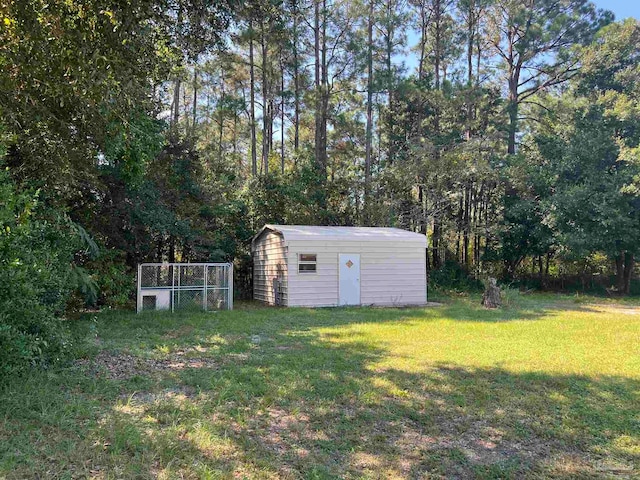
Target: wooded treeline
507, 131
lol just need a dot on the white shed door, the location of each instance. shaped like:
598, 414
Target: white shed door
349, 278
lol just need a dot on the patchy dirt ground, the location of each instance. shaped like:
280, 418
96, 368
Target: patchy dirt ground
119, 366
621, 309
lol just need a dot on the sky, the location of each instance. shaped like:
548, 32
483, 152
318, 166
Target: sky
621, 8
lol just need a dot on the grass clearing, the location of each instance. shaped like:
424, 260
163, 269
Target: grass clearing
548, 387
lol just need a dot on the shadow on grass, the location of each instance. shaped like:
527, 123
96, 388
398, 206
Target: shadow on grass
295, 405
255, 318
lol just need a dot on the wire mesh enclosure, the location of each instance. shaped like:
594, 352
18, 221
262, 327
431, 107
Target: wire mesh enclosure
182, 286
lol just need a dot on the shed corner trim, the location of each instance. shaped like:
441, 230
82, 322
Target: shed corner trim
257, 236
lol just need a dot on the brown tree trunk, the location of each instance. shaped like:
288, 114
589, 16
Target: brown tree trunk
176, 102
318, 80
421, 200
325, 95
437, 20
282, 152
459, 228
466, 226
492, 297
478, 60
546, 266
254, 153
390, 86
620, 272
369, 127
423, 40
513, 126
194, 121
235, 138
176, 88
265, 103
296, 81
514, 99
470, 42
436, 241
540, 268
221, 118
186, 113
172, 249
629, 262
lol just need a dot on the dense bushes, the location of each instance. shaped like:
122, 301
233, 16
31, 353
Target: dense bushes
452, 276
36, 277
115, 280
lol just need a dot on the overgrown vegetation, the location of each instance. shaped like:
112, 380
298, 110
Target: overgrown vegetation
36, 277
545, 388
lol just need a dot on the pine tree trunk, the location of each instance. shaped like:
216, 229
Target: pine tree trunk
369, 127
513, 100
513, 126
282, 152
325, 96
629, 262
195, 100
390, 88
254, 153
470, 41
437, 20
221, 118
265, 103
466, 225
317, 82
296, 80
235, 138
436, 242
186, 113
459, 227
620, 272
176, 88
423, 40
176, 102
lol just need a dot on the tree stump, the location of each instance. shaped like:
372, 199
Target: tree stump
491, 297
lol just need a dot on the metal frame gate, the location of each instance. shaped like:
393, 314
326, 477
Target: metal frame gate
180, 286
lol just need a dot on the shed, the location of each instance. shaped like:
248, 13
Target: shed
313, 266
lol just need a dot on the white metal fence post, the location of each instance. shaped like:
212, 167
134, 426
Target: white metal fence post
179, 283
230, 302
173, 288
206, 281
139, 296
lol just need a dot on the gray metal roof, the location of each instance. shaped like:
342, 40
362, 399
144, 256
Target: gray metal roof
357, 234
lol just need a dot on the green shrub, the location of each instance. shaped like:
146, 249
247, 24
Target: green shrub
510, 295
37, 249
452, 276
115, 281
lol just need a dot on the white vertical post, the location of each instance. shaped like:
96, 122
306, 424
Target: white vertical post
139, 297
206, 280
173, 287
230, 292
179, 280
426, 278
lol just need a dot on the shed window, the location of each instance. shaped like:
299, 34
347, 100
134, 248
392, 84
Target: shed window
307, 263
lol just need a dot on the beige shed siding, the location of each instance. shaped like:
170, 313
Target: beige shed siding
269, 265
391, 273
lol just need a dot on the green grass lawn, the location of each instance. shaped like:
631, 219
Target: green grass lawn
544, 388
